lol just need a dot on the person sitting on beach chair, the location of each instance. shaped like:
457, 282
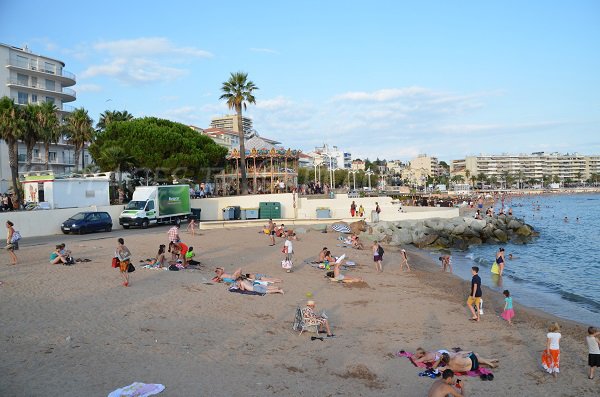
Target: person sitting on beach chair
311, 318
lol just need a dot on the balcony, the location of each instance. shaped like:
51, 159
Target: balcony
64, 109
41, 70
22, 158
66, 94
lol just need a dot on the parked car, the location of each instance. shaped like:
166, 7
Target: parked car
84, 222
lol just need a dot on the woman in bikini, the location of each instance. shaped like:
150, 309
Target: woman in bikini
338, 276
467, 361
500, 259
432, 358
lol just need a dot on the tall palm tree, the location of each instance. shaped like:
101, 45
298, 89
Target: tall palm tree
238, 92
79, 131
467, 175
31, 131
49, 128
116, 157
110, 116
11, 127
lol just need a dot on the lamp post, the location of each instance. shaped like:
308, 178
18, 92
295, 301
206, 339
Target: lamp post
331, 171
369, 173
353, 172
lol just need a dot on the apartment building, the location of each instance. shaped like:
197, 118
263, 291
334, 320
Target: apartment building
31, 78
358, 165
574, 167
339, 158
230, 122
420, 168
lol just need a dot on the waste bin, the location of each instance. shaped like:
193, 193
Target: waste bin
237, 212
196, 212
323, 213
228, 213
269, 210
331, 195
251, 213
243, 214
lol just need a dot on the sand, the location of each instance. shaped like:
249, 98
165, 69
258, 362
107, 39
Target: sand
76, 331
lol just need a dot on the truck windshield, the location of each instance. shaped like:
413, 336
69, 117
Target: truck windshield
136, 205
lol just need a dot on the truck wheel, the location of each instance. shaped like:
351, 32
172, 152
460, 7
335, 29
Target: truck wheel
145, 224
125, 226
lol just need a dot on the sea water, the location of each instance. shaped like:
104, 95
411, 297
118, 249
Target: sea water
559, 271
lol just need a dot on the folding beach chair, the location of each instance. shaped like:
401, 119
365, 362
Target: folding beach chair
300, 325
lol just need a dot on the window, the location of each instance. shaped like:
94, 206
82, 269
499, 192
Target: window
52, 157
22, 61
50, 99
48, 67
34, 82
22, 79
50, 85
150, 206
22, 98
34, 98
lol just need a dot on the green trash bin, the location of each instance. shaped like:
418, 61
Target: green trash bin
269, 210
196, 212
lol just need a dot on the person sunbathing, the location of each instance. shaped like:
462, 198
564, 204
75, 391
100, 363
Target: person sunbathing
311, 318
432, 358
338, 276
159, 260
467, 361
262, 277
322, 254
356, 243
246, 285
57, 256
222, 277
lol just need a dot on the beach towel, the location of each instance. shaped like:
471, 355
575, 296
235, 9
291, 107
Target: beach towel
138, 389
478, 372
239, 291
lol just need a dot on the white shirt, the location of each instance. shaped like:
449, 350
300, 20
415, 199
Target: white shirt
554, 339
592, 343
288, 245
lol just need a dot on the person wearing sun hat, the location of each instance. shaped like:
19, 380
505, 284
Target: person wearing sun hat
311, 318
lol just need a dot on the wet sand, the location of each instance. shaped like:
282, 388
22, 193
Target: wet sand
74, 331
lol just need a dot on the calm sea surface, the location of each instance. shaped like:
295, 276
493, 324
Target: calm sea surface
559, 272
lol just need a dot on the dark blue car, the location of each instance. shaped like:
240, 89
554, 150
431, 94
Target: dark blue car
85, 222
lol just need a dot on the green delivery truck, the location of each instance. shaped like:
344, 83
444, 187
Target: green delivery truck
156, 204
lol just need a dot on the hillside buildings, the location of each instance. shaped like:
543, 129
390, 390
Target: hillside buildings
535, 166
332, 156
421, 168
31, 78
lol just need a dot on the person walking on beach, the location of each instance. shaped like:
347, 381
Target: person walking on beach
191, 226
593, 342
124, 256
12, 244
353, 209
475, 295
288, 249
404, 258
508, 312
271, 232
551, 355
361, 211
378, 256
377, 212
446, 386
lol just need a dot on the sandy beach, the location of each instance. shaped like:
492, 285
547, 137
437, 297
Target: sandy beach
76, 331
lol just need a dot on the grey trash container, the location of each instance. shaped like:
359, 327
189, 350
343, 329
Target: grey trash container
228, 213
323, 213
196, 212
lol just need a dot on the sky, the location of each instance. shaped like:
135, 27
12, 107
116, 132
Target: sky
378, 79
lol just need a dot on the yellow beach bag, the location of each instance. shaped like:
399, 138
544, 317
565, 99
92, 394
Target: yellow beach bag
495, 268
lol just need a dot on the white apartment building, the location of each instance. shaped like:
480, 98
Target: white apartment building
30, 78
574, 167
420, 168
339, 158
230, 122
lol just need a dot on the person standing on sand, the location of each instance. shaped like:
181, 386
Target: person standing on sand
11, 246
288, 249
377, 256
551, 355
173, 233
353, 209
124, 256
593, 342
377, 212
446, 386
271, 232
508, 312
475, 295
404, 258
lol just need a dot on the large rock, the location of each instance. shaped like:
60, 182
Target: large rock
524, 230
426, 240
460, 229
403, 236
458, 243
477, 225
358, 227
514, 224
435, 224
501, 235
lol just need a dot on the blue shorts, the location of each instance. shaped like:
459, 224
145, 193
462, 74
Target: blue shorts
260, 288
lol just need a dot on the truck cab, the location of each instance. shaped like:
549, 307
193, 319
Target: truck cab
156, 204
140, 211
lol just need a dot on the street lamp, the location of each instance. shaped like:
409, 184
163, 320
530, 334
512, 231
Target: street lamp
369, 173
353, 172
331, 171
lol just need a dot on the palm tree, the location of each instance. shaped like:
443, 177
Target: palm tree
473, 180
115, 157
110, 116
49, 128
11, 127
30, 131
79, 131
467, 174
238, 92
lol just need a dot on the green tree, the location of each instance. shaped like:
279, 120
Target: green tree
458, 179
31, 131
11, 129
468, 175
79, 131
238, 93
158, 145
493, 180
49, 128
110, 116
